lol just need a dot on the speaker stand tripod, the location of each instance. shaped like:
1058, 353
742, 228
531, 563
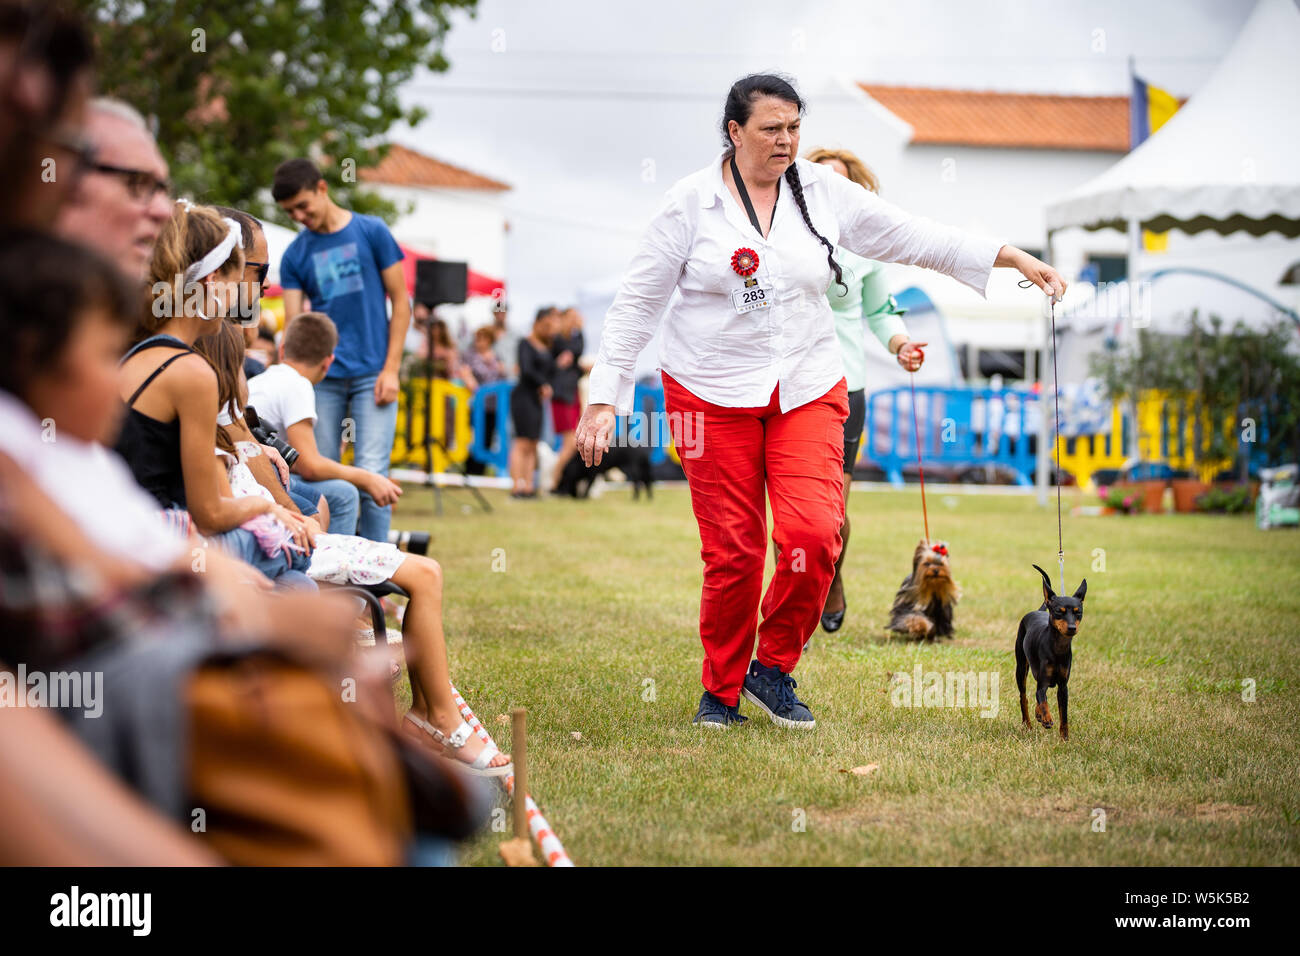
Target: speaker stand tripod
431, 442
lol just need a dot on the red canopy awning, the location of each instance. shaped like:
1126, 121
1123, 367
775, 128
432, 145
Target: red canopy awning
479, 284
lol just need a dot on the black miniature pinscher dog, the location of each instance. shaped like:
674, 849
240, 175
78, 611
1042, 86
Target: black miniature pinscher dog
1043, 643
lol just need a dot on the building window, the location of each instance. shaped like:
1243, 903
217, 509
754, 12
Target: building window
1108, 268
1005, 362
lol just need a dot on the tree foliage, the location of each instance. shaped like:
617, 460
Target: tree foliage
237, 86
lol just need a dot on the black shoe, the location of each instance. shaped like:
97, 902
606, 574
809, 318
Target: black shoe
714, 714
831, 620
773, 691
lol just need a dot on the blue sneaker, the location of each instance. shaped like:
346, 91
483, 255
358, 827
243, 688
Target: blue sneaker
714, 714
774, 692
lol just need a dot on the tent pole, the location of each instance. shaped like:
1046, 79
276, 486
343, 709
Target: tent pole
1130, 333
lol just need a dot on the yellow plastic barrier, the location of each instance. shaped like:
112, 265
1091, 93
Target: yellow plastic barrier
1095, 452
275, 305
450, 424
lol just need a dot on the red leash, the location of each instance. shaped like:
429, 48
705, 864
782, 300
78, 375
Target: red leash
916, 430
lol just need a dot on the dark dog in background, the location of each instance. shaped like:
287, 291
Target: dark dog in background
575, 481
1044, 646
923, 606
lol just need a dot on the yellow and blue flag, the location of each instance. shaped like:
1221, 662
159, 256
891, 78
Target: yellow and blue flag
1149, 109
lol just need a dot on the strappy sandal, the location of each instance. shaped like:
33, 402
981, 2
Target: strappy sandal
457, 739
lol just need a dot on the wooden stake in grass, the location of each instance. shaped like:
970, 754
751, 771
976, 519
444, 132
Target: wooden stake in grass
519, 851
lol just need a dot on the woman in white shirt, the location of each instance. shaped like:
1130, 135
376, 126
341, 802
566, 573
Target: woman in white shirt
751, 361
863, 299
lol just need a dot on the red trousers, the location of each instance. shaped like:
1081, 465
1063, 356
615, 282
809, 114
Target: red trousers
732, 457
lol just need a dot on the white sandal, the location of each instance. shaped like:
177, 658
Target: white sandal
366, 636
457, 739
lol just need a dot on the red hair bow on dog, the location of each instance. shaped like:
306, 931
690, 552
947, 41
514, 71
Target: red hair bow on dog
940, 549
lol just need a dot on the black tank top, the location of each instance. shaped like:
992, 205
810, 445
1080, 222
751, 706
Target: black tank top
152, 448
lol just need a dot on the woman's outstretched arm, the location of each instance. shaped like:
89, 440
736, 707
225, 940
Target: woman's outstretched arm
877, 229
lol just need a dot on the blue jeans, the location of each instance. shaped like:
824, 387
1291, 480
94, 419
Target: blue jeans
240, 543
305, 504
343, 498
373, 431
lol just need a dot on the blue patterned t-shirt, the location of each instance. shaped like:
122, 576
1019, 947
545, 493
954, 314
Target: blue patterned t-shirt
340, 273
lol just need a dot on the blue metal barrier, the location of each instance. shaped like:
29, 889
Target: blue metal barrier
958, 427
648, 400
499, 454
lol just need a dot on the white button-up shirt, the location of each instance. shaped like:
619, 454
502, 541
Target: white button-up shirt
736, 360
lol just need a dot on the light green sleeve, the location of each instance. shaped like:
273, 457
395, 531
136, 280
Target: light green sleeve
883, 321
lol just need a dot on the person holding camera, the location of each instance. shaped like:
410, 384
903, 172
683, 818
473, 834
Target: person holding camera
284, 398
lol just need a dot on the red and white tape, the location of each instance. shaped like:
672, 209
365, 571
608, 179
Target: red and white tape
553, 851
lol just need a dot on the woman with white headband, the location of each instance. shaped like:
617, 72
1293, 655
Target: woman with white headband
171, 392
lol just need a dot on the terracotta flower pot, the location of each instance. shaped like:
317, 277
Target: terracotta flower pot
1185, 493
1153, 496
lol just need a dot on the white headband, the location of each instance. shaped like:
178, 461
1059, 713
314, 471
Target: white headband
218, 255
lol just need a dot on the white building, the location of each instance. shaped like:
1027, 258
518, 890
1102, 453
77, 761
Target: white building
990, 162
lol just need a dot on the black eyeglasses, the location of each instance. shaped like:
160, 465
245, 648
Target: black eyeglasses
263, 268
141, 184
81, 149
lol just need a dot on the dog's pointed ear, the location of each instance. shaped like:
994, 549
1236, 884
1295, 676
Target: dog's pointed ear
1048, 593
1083, 589
916, 555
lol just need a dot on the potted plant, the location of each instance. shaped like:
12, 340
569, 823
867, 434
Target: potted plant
1121, 499
1240, 388
1233, 499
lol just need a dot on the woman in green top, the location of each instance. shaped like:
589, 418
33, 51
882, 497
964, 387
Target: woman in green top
867, 298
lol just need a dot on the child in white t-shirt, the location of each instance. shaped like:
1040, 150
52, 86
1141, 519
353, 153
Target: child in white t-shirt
284, 397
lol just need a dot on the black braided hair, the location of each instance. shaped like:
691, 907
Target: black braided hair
739, 107
796, 190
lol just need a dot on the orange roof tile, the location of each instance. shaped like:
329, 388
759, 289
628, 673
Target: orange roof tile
406, 167
1022, 120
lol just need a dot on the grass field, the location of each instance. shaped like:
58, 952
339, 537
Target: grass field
592, 625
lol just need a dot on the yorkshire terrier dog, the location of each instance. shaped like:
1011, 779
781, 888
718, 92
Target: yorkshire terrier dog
923, 605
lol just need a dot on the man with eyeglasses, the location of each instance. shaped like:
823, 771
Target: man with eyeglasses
123, 196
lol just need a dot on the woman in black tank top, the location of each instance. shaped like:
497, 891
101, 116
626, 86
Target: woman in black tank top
168, 436
152, 448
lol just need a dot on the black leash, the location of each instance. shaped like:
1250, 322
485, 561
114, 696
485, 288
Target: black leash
744, 197
1056, 437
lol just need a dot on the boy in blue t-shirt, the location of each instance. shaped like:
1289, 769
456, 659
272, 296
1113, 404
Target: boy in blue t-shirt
347, 264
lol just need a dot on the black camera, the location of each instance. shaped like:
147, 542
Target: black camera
412, 542
268, 437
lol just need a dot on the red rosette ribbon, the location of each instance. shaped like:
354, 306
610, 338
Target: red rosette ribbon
745, 262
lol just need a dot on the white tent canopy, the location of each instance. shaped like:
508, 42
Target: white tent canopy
1229, 159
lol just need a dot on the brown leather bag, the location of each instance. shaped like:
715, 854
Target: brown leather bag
287, 773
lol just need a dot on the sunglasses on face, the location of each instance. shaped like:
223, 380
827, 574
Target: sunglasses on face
263, 268
141, 184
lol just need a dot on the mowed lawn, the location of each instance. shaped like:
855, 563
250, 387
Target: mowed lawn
590, 621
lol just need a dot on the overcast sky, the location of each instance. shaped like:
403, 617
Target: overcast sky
566, 100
